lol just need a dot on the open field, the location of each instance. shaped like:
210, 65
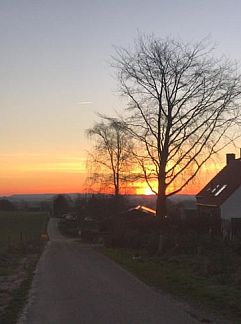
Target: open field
20, 248
189, 277
18, 226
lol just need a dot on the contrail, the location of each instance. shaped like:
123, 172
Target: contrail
84, 103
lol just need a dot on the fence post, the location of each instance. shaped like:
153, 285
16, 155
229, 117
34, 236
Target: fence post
9, 241
21, 237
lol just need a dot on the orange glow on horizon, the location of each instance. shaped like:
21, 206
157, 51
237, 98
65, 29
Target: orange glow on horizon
36, 183
26, 174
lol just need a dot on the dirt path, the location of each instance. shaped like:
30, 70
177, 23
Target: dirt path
75, 284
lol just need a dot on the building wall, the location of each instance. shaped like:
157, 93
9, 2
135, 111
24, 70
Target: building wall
231, 208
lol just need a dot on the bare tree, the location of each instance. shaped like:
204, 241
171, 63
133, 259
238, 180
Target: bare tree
183, 103
111, 154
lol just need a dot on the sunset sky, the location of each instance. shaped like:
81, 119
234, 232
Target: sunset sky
56, 74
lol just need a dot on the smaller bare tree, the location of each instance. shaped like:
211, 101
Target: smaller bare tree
111, 155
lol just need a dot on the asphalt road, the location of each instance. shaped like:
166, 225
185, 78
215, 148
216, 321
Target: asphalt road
75, 284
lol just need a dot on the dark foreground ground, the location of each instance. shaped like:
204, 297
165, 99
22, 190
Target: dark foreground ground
76, 284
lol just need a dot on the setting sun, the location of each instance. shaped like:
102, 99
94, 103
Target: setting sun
147, 191
142, 188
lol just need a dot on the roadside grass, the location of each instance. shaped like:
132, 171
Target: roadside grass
20, 248
19, 295
183, 276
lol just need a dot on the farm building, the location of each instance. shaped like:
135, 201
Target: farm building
220, 199
139, 217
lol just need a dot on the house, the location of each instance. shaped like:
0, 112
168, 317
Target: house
220, 199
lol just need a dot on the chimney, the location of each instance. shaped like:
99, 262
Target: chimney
230, 157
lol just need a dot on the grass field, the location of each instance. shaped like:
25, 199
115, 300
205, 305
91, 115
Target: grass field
20, 248
18, 226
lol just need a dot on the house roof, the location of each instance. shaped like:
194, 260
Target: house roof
222, 186
144, 210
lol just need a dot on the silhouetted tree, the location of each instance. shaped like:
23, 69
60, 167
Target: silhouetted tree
60, 205
182, 105
111, 155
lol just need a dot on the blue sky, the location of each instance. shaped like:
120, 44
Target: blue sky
56, 55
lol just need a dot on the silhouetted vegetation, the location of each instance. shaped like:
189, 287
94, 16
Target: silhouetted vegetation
61, 205
91, 216
5, 204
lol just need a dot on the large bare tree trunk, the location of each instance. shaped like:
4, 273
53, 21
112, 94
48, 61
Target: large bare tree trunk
161, 208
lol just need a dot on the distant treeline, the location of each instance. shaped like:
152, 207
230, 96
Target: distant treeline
9, 205
5, 204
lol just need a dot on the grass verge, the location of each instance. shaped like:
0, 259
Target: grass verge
176, 276
19, 295
21, 247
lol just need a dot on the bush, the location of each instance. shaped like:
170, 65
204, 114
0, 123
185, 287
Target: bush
133, 239
68, 227
152, 243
